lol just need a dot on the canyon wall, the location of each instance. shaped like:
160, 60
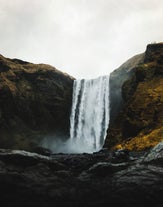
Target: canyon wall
35, 101
138, 122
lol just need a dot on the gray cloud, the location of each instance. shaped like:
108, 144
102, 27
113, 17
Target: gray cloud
85, 38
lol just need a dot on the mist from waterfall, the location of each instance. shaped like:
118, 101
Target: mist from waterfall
89, 118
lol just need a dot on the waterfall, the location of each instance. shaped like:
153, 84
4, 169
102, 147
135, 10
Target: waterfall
89, 118
90, 114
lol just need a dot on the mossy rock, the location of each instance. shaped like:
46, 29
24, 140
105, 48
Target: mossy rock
143, 101
35, 101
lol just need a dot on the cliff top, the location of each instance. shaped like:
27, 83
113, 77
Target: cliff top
17, 64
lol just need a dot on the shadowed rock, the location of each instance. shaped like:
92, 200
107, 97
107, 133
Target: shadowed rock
139, 120
35, 102
81, 180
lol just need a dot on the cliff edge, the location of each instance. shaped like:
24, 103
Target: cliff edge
35, 100
138, 124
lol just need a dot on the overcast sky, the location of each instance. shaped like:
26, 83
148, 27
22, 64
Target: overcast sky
85, 38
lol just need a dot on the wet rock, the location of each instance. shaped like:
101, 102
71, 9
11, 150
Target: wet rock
21, 158
120, 155
103, 150
42, 151
105, 168
81, 179
155, 155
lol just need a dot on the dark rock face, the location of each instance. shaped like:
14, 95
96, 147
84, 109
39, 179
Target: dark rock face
117, 79
35, 100
142, 111
99, 179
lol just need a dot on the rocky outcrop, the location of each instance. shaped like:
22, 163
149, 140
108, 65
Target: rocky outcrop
100, 179
117, 79
35, 100
141, 117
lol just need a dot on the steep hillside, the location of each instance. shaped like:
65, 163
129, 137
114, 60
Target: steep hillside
35, 100
141, 117
117, 78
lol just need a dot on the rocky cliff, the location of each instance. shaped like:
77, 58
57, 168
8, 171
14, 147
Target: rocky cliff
117, 79
139, 120
35, 100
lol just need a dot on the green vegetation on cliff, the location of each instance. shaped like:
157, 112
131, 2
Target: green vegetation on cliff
141, 119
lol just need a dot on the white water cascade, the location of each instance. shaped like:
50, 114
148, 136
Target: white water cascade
90, 114
89, 118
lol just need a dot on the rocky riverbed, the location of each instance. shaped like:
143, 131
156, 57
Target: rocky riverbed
101, 179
